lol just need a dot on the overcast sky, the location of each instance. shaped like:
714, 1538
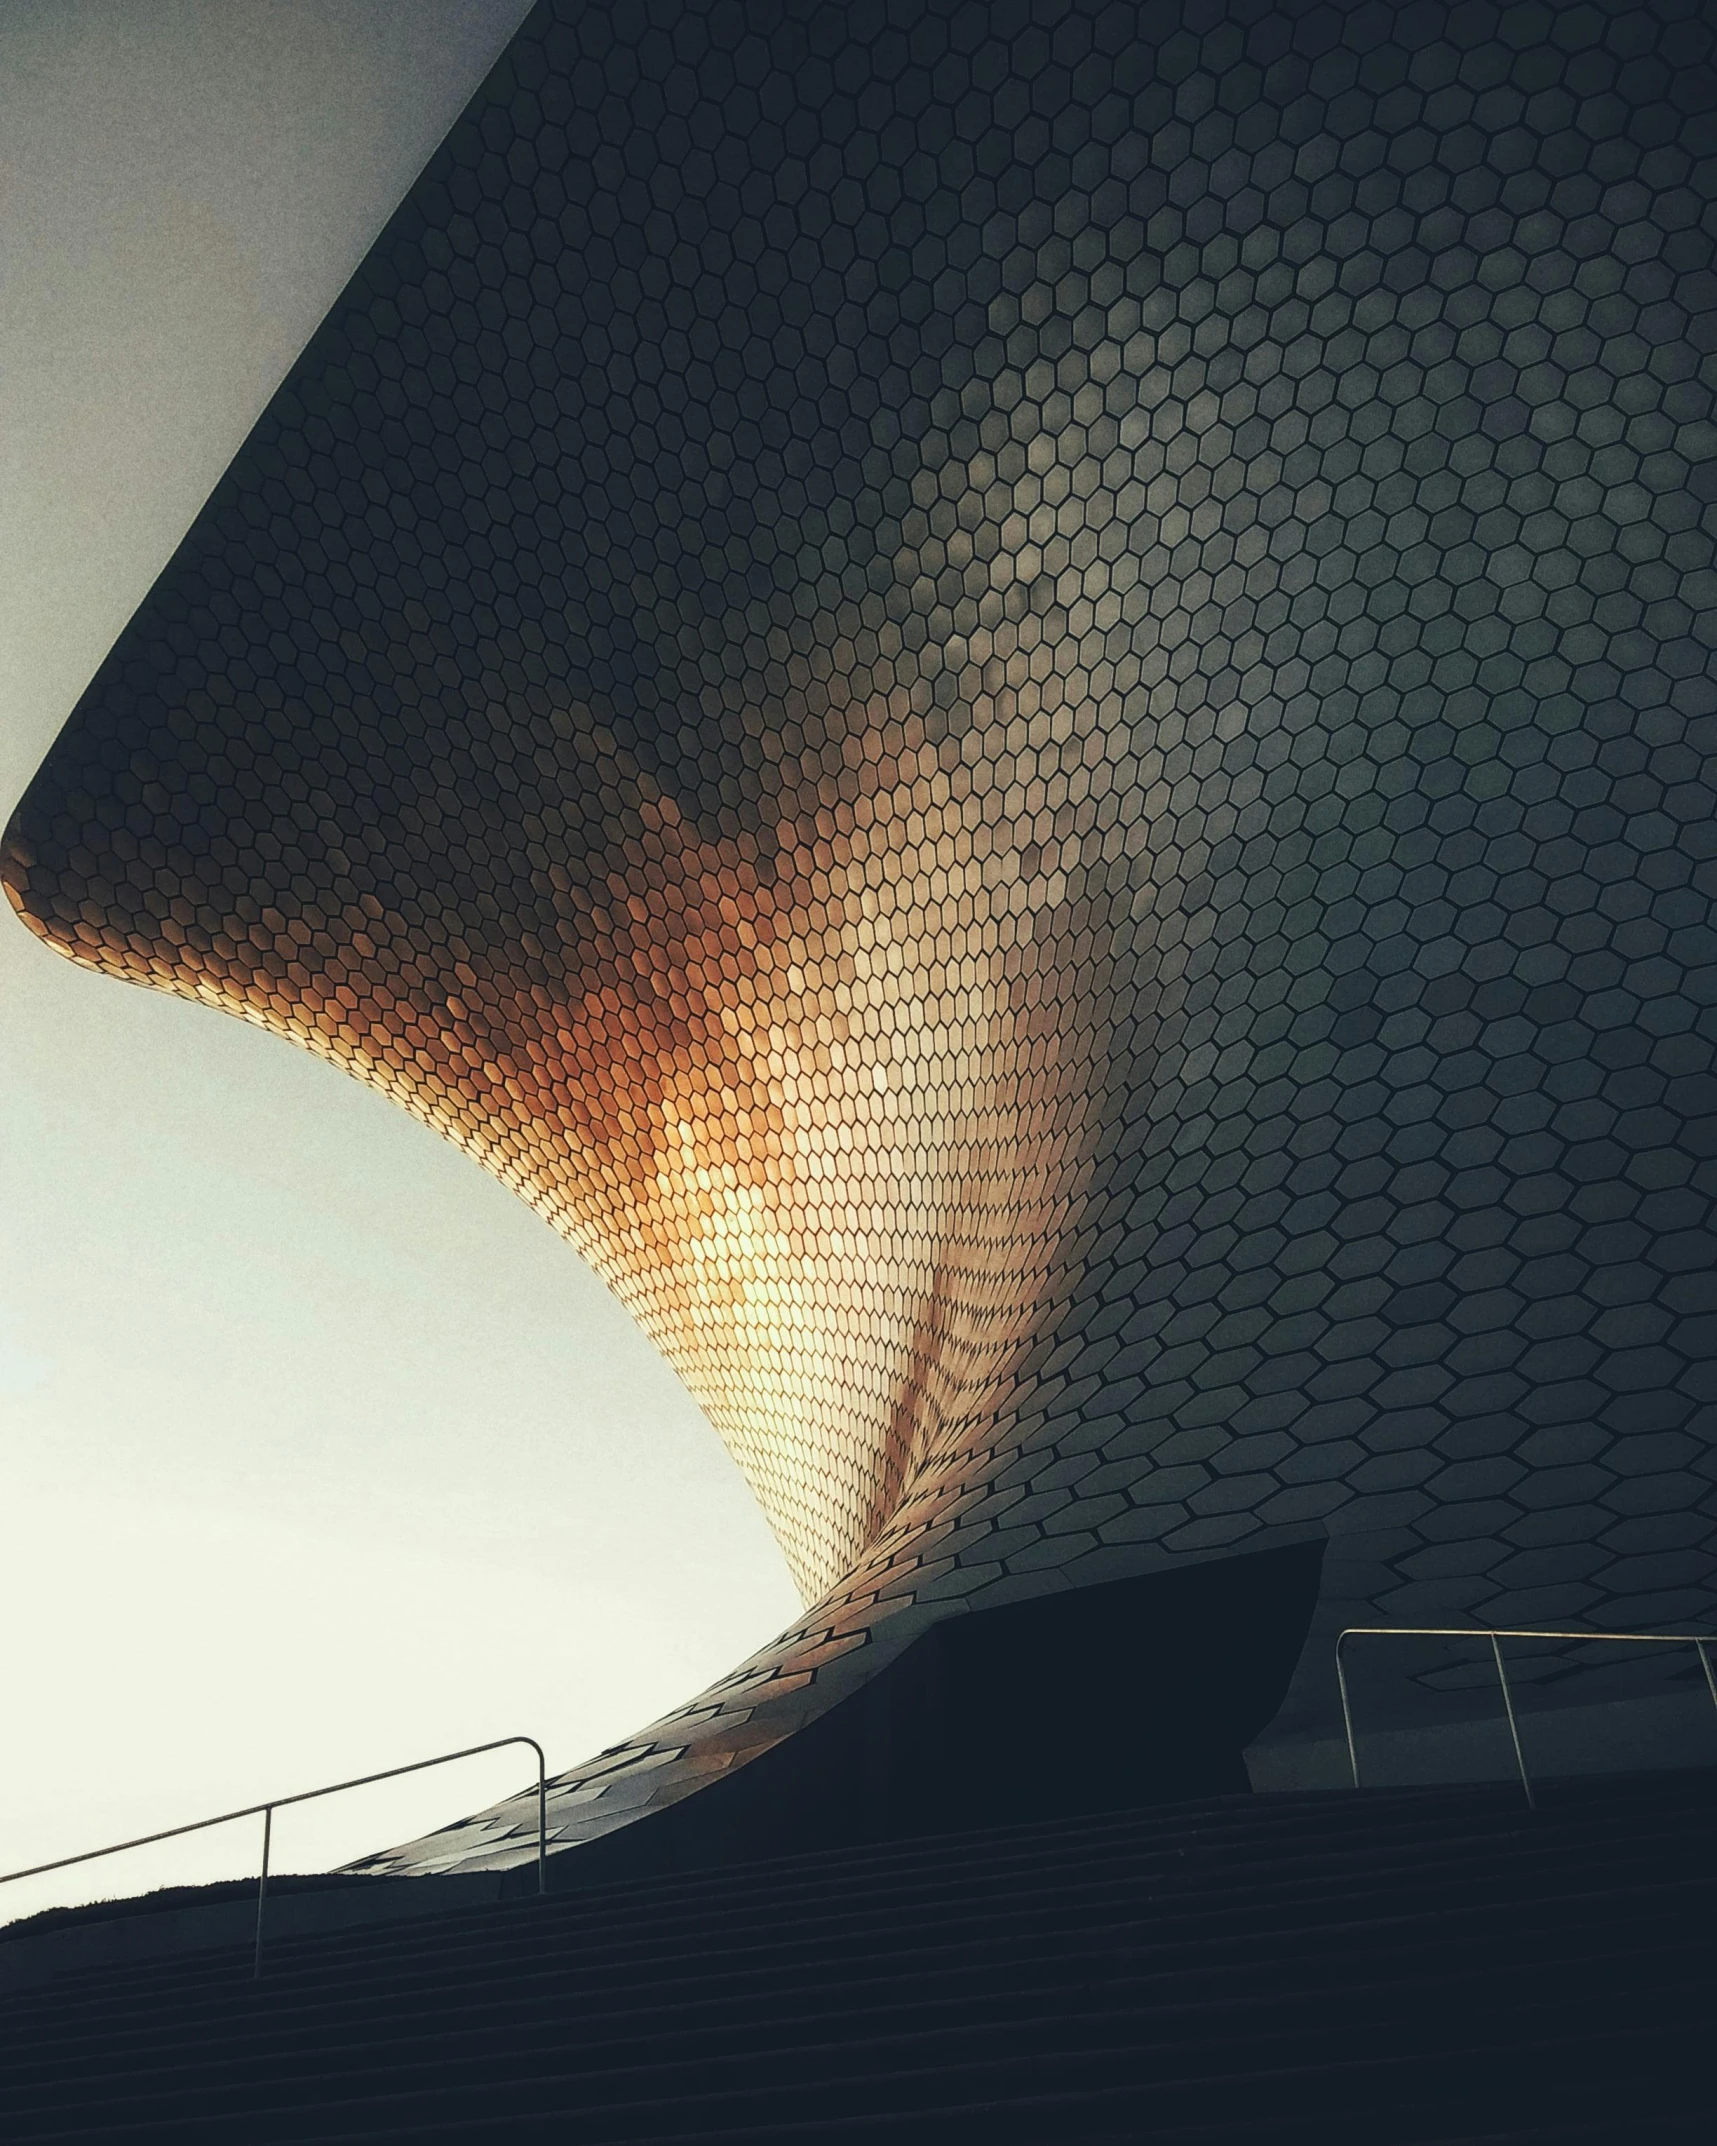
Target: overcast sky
318, 1451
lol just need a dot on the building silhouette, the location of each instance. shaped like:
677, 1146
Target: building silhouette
1016, 703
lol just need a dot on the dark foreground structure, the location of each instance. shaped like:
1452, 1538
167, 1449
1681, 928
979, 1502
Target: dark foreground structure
1401, 1966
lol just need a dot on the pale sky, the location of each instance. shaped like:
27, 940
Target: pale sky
318, 1451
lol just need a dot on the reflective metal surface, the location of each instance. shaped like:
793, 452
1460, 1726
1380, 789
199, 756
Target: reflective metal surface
1017, 704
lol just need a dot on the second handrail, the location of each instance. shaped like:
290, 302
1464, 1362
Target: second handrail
267, 1810
1699, 1641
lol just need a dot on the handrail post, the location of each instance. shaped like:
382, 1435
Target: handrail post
262, 1889
1513, 1725
1346, 1710
1699, 1646
542, 1824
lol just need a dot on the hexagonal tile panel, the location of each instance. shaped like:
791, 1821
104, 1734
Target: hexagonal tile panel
1017, 702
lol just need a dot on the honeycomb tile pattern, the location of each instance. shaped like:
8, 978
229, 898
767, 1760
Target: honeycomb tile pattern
1015, 701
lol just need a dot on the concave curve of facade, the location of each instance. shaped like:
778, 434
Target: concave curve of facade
1017, 704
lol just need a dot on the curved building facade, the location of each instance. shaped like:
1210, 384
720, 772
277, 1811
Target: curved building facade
1017, 703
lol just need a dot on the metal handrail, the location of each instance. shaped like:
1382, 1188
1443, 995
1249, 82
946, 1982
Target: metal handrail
1699, 1641
310, 1795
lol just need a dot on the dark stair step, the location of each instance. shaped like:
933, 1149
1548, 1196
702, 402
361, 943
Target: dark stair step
1125, 1942
1636, 1987
1246, 1958
1341, 1818
544, 1923
1365, 2101
1391, 1966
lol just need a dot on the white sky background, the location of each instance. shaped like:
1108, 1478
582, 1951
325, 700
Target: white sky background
318, 1451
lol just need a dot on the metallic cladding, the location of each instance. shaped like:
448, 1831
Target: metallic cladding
1016, 702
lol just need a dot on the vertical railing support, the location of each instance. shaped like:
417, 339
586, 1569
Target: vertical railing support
1513, 1725
542, 1826
1346, 1712
262, 1888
